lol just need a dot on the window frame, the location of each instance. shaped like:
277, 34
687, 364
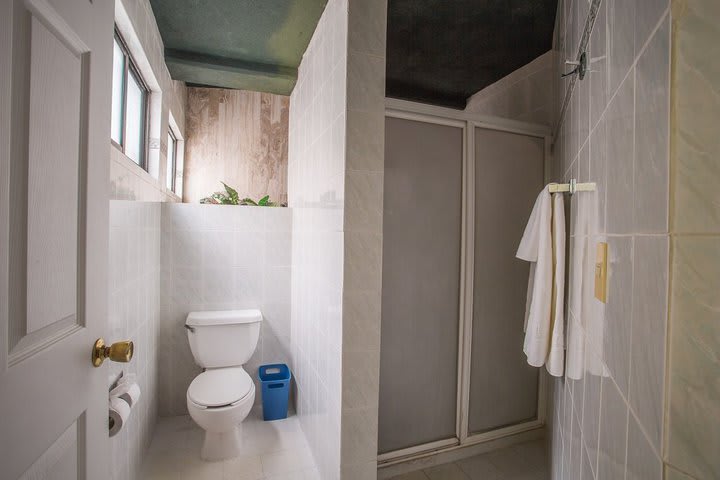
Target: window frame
130, 67
172, 156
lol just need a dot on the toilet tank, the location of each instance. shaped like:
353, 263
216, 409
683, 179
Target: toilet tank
224, 338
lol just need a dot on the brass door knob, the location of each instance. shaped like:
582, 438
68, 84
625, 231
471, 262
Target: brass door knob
117, 352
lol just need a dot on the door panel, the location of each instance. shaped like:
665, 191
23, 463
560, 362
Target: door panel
53, 168
508, 175
60, 461
55, 64
421, 283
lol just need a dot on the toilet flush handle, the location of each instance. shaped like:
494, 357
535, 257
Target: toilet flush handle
192, 329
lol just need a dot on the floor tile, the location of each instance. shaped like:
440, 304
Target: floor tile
419, 475
277, 463
245, 467
479, 468
274, 450
448, 471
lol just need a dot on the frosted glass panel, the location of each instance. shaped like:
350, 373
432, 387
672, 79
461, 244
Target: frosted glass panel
420, 295
508, 176
118, 86
170, 173
135, 118
179, 166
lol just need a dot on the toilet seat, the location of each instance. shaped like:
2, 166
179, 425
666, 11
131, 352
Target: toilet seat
220, 387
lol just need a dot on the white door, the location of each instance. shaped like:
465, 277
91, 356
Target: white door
55, 74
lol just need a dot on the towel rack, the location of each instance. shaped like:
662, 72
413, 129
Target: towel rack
571, 187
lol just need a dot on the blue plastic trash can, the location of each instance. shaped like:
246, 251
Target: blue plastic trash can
275, 382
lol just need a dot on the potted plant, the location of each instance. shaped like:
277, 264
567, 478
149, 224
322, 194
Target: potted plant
231, 197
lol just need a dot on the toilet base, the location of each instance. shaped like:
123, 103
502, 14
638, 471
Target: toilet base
221, 446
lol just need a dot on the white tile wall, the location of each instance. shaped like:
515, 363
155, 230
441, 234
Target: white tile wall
316, 193
526, 94
134, 310
693, 407
363, 221
136, 21
607, 420
220, 257
134, 250
336, 150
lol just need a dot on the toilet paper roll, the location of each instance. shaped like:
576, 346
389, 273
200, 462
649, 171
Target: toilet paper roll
127, 378
132, 394
119, 414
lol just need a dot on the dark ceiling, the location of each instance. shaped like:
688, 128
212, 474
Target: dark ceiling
438, 51
443, 51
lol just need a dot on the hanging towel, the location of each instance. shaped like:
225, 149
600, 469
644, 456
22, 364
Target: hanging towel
585, 312
543, 245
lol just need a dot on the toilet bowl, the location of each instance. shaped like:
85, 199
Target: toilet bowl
221, 397
218, 401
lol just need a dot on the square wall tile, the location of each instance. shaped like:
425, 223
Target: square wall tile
619, 121
613, 433
694, 410
367, 27
618, 310
365, 83
673, 474
598, 75
652, 120
649, 324
590, 423
643, 463
696, 114
621, 41
648, 14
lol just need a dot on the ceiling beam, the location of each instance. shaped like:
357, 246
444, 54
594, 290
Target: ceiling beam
215, 71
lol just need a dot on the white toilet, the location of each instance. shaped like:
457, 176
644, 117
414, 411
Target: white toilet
221, 397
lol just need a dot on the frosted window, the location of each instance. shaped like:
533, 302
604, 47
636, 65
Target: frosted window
171, 159
129, 105
179, 165
135, 118
118, 88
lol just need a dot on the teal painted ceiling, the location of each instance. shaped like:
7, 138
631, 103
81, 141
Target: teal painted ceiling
245, 44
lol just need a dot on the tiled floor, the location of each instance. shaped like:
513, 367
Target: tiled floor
526, 461
271, 451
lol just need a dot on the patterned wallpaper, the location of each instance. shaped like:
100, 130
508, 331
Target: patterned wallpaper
237, 137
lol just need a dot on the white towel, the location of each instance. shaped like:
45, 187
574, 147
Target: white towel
585, 312
582, 277
543, 245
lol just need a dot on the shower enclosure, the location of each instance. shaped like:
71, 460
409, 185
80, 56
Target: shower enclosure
459, 189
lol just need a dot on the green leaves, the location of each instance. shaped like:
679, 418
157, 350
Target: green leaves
232, 194
231, 197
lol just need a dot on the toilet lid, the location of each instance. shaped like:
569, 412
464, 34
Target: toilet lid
220, 387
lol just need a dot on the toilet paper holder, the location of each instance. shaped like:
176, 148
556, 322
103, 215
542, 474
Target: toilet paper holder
124, 395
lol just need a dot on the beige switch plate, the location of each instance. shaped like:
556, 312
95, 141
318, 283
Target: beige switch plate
601, 272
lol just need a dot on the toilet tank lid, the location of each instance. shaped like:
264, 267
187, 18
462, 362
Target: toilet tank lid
223, 317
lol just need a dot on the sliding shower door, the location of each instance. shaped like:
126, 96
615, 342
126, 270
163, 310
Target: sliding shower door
458, 194
421, 283
508, 177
